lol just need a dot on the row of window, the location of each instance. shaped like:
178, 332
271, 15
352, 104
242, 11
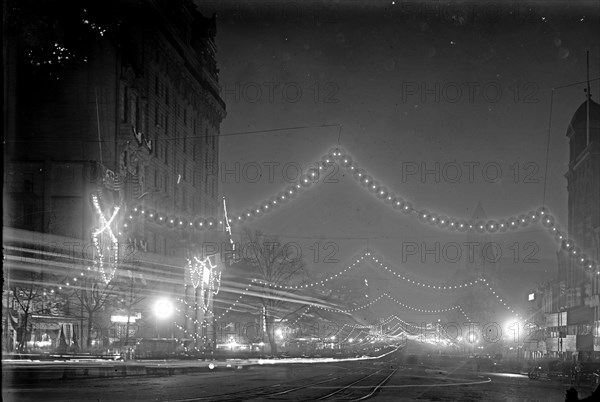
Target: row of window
576, 329
181, 112
132, 111
162, 183
131, 108
181, 173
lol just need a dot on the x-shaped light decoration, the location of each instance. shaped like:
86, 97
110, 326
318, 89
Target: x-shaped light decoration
114, 243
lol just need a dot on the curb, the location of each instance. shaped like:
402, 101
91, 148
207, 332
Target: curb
34, 374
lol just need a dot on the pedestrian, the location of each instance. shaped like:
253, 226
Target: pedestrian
576, 373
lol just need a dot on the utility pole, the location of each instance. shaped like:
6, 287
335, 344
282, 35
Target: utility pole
8, 315
588, 96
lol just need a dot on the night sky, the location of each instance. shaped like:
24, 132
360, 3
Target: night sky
412, 84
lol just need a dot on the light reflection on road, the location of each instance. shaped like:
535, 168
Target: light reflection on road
506, 375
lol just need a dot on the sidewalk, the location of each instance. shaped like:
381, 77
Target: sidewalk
29, 371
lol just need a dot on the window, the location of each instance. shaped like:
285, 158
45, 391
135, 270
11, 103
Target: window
167, 124
155, 178
156, 85
156, 121
166, 183
184, 171
125, 114
185, 117
166, 153
123, 101
138, 114
167, 95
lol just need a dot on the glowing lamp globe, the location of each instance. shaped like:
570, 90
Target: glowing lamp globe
163, 308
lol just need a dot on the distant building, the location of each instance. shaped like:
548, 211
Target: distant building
117, 100
583, 185
571, 302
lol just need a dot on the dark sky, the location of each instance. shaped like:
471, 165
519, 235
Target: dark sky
412, 84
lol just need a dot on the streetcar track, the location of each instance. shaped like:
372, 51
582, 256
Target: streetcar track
269, 392
259, 392
304, 386
245, 394
348, 386
376, 388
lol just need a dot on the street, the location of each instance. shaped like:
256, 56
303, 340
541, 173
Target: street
301, 200
378, 380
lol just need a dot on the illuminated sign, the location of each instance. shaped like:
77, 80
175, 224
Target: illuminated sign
531, 296
123, 318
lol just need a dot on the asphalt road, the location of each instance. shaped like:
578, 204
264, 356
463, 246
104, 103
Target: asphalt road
378, 381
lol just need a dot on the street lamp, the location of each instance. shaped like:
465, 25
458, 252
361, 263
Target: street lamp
472, 338
163, 309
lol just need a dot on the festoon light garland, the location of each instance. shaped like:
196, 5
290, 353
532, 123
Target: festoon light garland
447, 287
381, 296
338, 156
316, 283
380, 263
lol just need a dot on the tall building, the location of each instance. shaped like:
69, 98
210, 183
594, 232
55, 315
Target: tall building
114, 108
583, 186
571, 300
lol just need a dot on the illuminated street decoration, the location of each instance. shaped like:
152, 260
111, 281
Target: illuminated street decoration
113, 246
316, 283
381, 296
227, 222
203, 274
337, 156
368, 256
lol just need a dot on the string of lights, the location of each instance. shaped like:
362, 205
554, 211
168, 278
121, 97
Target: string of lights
343, 160
423, 284
316, 283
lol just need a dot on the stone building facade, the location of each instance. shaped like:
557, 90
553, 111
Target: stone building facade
116, 100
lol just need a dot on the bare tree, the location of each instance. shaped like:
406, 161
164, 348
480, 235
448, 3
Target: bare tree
130, 287
29, 293
272, 265
92, 295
